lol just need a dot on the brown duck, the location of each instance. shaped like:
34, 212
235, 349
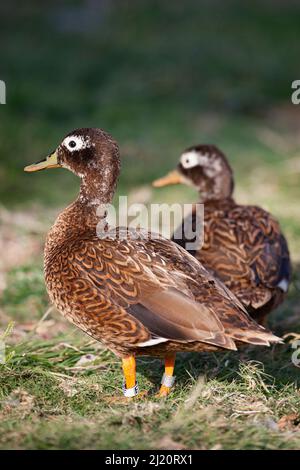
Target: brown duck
137, 294
243, 245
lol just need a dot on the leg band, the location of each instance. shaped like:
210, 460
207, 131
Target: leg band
130, 392
168, 380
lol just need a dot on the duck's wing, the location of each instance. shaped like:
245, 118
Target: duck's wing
245, 248
267, 254
164, 289
271, 260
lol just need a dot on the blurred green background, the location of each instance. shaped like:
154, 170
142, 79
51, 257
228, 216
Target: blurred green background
159, 76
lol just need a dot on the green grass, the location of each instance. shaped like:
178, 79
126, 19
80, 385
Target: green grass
220, 401
25, 293
160, 76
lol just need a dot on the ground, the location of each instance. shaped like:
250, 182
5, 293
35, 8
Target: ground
159, 79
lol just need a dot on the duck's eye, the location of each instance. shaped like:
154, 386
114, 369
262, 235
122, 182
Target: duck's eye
190, 159
74, 142
73, 145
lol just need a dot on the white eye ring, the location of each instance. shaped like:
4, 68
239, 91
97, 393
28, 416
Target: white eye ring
189, 159
75, 142
193, 158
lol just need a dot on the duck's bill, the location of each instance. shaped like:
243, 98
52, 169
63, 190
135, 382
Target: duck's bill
48, 162
174, 177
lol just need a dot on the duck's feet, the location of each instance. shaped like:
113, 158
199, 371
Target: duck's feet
163, 392
130, 387
168, 379
122, 400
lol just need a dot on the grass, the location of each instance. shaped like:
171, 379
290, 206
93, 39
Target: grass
230, 398
159, 76
49, 405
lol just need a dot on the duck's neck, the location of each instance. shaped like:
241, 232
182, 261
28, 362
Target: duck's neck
86, 214
97, 188
217, 186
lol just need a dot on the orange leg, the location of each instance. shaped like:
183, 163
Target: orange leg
130, 388
168, 379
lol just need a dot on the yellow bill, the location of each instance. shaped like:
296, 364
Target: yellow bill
48, 162
174, 177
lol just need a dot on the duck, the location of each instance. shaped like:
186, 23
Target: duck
242, 245
136, 292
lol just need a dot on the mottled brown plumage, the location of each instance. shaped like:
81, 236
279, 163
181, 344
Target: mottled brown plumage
243, 245
135, 294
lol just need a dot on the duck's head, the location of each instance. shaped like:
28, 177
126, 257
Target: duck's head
205, 168
91, 154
